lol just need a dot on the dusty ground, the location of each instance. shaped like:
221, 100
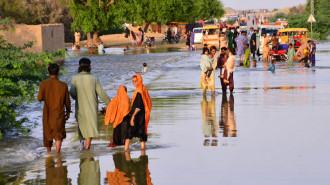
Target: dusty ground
118, 40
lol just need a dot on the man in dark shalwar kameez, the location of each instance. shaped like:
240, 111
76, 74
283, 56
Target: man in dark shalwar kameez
55, 94
221, 62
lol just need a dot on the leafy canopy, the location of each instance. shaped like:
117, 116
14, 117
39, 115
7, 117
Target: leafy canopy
100, 15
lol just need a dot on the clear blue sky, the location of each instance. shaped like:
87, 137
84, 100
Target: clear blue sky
260, 4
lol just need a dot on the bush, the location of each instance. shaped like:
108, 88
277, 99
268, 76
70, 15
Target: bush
20, 74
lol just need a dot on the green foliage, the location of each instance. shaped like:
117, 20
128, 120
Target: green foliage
321, 28
38, 12
94, 15
20, 74
277, 16
322, 16
100, 15
162, 11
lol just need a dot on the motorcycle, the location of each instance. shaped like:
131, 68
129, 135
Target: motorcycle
150, 41
175, 38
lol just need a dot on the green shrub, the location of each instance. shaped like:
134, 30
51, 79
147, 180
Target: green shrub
20, 74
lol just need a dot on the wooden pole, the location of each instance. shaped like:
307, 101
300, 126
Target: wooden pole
312, 13
311, 30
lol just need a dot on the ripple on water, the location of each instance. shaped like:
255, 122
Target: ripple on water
19, 150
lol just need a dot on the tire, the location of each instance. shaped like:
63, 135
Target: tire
284, 57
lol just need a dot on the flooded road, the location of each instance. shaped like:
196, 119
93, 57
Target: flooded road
272, 130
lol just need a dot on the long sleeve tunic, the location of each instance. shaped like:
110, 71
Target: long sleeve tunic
85, 89
56, 97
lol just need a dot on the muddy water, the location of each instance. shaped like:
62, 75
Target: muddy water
272, 130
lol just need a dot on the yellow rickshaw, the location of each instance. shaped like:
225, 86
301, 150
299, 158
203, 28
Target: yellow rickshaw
181, 27
211, 36
296, 36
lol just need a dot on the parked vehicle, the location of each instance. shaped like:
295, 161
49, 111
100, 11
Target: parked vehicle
198, 35
150, 41
211, 36
297, 36
174, 38
280, 54
269, 30
243, 24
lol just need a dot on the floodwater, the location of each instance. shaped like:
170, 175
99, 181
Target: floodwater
274, 129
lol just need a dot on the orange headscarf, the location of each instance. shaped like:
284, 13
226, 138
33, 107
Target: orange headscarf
145, 98
118, 108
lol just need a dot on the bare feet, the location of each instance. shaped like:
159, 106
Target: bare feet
58, 146
127, 142
88, 143
143, 145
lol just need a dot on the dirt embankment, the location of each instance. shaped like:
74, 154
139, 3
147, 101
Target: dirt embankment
119, 40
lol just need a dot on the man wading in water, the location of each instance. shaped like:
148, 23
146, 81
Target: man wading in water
55, 94
85, 89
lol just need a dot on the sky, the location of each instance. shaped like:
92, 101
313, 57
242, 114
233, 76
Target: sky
260, 4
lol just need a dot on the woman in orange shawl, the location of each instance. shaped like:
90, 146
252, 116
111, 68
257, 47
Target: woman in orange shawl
118, 114
140, 113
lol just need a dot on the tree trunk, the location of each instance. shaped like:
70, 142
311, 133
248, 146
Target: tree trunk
96, 39
146, 27
89, 40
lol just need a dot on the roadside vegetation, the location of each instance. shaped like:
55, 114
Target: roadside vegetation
297, 18
20, 74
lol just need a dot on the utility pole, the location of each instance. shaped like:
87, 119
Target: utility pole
312, 12
311, 18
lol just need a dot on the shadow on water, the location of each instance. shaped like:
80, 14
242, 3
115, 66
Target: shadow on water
56, 172
227, 121
210, 126
129, 171
89, 171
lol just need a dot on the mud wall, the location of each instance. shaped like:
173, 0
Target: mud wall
46, 37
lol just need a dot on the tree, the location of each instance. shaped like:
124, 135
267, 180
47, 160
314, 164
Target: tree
322, 16
297, 18
279, 15
38, 12
20, 74
163, 11
94, 15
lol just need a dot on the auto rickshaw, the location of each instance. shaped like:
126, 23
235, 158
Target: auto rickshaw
296, 36
211, 36
243, 24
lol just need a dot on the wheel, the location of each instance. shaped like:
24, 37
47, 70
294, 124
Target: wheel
284, 57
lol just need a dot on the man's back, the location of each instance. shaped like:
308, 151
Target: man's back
85, 89
55, 95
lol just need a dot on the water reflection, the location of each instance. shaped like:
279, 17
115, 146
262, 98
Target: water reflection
56, 173
129, 171
210, 126
227, 119
89, 171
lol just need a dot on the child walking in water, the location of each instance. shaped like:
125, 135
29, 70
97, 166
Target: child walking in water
229, 65
247, 55
291, 54
313, 53
206, 61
